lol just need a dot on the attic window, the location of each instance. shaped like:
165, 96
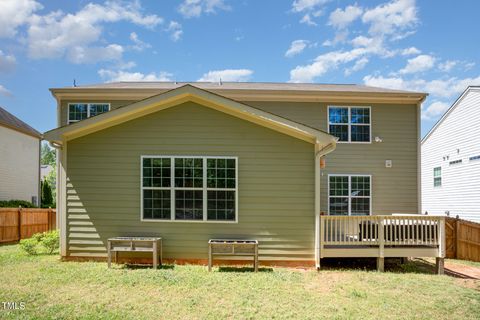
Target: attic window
81, 111
475, 158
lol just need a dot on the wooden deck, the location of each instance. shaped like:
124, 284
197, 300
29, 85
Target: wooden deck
383, 237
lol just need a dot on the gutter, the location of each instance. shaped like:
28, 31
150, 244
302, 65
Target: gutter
319, 152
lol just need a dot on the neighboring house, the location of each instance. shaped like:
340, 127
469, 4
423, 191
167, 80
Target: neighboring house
194, 161
45, 170
19, 159
451, 160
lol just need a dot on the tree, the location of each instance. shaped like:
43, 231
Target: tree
47, 155
47, 197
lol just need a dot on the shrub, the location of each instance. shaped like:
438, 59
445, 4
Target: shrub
16, 204
46, 194
30, 246
50, 241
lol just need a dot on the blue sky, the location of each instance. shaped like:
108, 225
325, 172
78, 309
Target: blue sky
429, 46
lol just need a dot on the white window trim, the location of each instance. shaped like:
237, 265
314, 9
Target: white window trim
441, 180
88, 109
350, 191
204, 189
349, 124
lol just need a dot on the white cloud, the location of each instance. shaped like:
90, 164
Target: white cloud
120, 75
359, 65
434, 110
342, 18
324, 63
81, 54
175, 30
58, 34
444, 88
310, 8
14, 13
232, 75
420, 63
5, 92
410, 51
296, 47
7, 62
195, 8
448, 65
138, 45
392, 17
362, 41
307, 5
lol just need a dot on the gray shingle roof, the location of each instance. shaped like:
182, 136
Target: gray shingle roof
245, 86
9, 120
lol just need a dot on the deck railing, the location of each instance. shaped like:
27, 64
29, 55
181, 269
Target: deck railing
382, 230
383, 236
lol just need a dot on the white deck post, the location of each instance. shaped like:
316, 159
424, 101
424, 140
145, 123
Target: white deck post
439, 263
381, 243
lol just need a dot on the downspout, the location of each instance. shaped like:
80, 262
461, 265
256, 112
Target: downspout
320, 151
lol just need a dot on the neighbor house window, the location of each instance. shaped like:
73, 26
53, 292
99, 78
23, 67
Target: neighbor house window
349, 194
350, 124
81, 111
189, 188
455, 162
474, 158
437, 177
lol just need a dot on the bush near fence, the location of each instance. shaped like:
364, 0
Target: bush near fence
21, 223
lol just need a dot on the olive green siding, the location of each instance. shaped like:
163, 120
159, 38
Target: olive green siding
394, 190
275, 172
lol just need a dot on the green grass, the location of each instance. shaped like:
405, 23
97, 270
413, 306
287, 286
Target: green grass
87, 290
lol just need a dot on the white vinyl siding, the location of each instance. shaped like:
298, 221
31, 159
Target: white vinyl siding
455, 139
182, 188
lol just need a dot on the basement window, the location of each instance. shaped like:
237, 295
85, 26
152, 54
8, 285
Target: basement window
81, 111
349, 195
437, 177
350, 124
189, 189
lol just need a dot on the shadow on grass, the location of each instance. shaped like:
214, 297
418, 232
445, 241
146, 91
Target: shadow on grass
395, 265
147, 266
243, 269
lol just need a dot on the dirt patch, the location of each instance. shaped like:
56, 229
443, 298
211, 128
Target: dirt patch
462, 271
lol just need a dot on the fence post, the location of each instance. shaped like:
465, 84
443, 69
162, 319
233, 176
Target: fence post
457, 236
19, 221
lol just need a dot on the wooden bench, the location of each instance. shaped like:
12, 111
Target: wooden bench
135, 244
232, 247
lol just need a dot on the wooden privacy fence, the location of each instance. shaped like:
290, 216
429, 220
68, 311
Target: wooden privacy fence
462, 239
22, 223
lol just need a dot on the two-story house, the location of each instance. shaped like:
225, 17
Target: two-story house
194, 161
451, 160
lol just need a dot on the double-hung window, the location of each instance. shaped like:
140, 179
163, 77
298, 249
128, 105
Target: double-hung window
437, 177
349, 195
189, 188
81, 111
350, 124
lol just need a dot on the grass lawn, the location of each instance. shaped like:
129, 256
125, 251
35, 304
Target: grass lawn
62, 290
